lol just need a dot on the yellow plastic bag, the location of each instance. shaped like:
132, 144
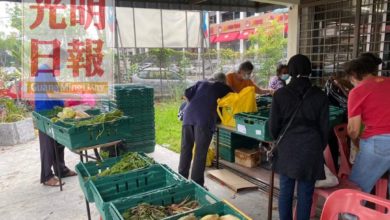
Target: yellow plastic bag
234, 103
209, 158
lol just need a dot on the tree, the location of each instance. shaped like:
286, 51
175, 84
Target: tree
268, 45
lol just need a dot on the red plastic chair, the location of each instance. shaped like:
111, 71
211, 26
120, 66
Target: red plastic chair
325, 192
381, 185
352, 202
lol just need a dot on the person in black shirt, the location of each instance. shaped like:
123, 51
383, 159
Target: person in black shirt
199, 119
299, 155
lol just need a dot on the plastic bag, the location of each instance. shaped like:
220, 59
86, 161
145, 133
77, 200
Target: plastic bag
330, 179
210, 155
234, 103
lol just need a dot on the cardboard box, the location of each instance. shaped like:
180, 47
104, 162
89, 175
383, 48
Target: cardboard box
248, 157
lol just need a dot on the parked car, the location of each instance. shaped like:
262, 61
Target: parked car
163, 82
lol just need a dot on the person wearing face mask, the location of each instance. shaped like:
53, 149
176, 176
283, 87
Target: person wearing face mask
369, 104
299, 155
279, 80
242, 78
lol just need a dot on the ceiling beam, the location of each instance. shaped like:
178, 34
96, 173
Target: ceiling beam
279, 2
194, 2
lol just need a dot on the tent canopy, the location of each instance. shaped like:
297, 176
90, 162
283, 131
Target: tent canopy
207, 5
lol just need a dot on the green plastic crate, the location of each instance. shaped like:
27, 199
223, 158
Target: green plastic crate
234, 140
74, 138
220, 208
164, 197
87, 171
226, 153
84, 136
39, 122
253, 125
156, 177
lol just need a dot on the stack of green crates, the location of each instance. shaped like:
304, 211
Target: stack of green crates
137, 102
229, 142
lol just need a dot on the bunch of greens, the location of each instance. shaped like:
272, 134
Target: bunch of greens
129, 161
153, 212
11, 112
146, 212
98, 119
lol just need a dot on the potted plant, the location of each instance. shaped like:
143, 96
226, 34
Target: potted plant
15, 126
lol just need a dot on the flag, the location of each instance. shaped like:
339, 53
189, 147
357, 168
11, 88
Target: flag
205, 25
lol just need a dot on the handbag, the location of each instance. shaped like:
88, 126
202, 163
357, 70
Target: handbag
271, 151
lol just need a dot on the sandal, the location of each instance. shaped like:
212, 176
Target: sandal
54, 182
70, 173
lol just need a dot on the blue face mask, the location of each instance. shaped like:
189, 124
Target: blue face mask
285, 77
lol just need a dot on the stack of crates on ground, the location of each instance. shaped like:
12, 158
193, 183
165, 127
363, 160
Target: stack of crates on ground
137, 102
229, 142
153, 184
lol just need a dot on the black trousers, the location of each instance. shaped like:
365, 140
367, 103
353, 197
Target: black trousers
48, 157
201, 136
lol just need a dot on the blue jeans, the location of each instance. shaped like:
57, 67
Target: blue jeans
305, 198
372, 161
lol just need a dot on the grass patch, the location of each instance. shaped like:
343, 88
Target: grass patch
168, 126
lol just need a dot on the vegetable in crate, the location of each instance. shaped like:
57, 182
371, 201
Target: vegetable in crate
210, 217
185, 206
129, 161
145, 212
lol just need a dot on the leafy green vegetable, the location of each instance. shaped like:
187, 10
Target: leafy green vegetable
146, 212
99, 119
10, 111
130, 161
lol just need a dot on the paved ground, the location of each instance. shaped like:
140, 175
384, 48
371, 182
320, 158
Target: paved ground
23, 197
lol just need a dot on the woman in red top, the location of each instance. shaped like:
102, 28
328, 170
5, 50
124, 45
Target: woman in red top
369, 104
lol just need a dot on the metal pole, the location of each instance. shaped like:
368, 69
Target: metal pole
202, 44
357, 29
161, 51
117, 52
271, 195
121, 43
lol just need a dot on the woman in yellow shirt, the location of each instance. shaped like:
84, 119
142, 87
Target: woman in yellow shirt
242, 78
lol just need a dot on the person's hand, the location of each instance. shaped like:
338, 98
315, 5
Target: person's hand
271, 92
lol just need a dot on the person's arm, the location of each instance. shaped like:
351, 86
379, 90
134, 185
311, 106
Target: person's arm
354, 125
260, 91
190, 92
354, 115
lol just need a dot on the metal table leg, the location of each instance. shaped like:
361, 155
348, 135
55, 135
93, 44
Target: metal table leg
88, 210
86, 201
97, 155
86, 155
58, 166
217, 149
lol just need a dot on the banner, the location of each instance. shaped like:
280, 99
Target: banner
68, 48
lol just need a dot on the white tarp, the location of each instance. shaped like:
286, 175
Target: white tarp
178, 29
